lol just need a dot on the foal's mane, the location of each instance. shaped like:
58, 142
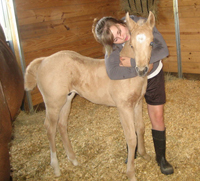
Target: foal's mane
140, 22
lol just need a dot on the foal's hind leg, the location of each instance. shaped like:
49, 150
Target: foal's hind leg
140, 130
51, 124
62, 126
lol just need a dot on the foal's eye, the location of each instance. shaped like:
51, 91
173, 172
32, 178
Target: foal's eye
131, 46
151, 44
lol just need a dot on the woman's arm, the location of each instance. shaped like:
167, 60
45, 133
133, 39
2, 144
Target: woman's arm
117, 70
160, 49
113, 68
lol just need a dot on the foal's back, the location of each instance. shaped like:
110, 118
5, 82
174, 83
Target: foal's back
68, 71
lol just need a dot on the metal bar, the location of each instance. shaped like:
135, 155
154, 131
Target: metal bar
177, 32
21, 54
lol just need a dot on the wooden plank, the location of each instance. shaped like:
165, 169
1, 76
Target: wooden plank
94, 52
184, 27
190, 45
165, 28
56, 26
166, 3
171, 58
189, 12
186, 45
57, 13
189, 21
168, 35
186, 67
170, 67
47, 41
38, 4
189, 57
167, 14
190, 27
77, 45
170, 43
50, 40
169, 3
190, 35
188, 3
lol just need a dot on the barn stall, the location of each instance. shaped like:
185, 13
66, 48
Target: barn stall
46, 27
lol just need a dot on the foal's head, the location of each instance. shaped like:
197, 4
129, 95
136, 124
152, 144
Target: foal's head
141, 41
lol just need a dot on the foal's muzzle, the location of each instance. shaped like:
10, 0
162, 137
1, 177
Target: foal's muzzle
142, 71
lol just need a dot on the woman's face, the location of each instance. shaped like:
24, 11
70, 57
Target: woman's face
121, 33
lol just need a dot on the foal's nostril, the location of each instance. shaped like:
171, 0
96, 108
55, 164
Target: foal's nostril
141, 71
146, 70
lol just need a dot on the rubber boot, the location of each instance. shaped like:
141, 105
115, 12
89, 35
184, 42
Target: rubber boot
159, 140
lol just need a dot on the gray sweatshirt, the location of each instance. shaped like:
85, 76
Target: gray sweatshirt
116, 72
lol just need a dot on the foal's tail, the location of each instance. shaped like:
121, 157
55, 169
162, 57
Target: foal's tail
30, 74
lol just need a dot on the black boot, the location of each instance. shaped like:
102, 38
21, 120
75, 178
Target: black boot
159, 140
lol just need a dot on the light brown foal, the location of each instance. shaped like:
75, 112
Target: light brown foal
66, 73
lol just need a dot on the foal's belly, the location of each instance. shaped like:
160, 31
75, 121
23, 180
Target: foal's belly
98, 96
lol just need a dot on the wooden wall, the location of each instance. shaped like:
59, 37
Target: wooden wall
49, 26
189, 21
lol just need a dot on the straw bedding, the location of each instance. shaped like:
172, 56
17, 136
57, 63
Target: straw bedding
98, 141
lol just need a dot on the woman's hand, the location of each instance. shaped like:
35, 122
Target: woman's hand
150, 67
125, 62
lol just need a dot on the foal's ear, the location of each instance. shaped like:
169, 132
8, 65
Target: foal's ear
130, 23
151, 20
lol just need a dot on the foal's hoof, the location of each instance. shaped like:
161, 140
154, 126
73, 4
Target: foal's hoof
56, 168
57, 172
75, 162
131, 176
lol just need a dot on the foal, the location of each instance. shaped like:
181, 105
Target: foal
66, 73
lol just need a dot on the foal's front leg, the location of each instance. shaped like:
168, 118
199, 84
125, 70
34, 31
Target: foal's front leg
127, 121
140, 130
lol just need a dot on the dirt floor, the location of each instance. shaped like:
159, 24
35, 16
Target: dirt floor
98, 141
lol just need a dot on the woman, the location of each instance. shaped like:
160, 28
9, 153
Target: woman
112, 34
